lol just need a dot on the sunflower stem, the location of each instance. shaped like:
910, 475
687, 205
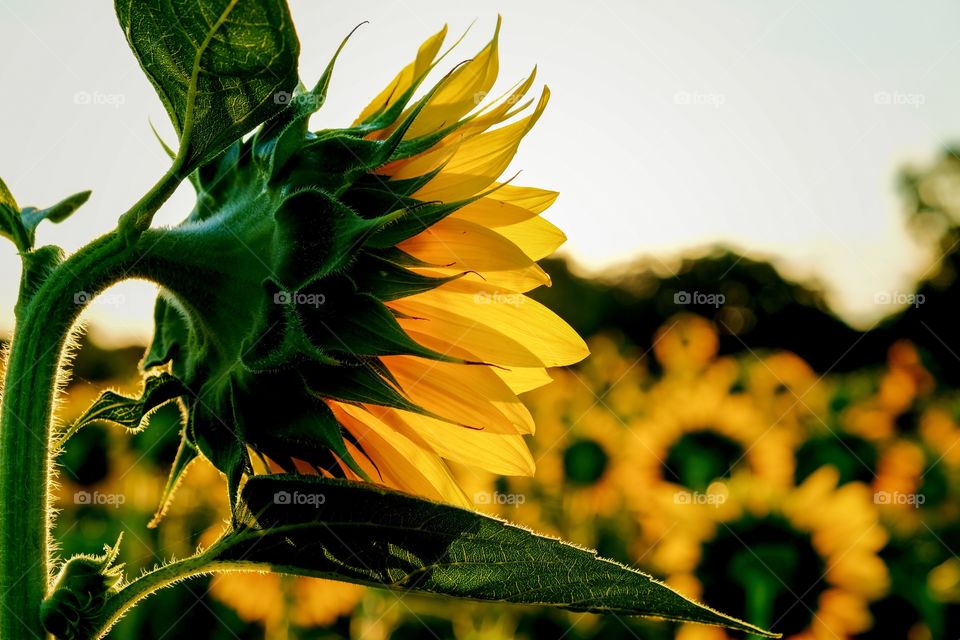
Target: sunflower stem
45, 318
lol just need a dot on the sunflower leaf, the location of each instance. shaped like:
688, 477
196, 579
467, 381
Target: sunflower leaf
354, 532
220, 67
130, 412
57, 213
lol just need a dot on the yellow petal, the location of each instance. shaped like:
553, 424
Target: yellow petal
536, 237
458, 245
507, 205
518, 379
470, 395
495, 452
405, 79
461, 91
516, 332
477, 162
399, 462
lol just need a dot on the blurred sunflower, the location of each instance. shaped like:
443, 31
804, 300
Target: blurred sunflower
393, 327
787, 388
803, 560
886, 412
697, 431
277, 601
685, 344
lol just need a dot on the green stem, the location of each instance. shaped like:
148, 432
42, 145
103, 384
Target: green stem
30, 385
137, 220
133, 592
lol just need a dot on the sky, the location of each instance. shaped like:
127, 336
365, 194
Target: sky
775, 127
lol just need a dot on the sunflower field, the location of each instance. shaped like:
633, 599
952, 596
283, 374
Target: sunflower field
823, 505
370, 404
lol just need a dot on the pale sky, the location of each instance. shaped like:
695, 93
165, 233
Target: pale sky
777, 127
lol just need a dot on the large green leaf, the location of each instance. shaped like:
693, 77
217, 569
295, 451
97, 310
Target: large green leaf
221, 67
360, 533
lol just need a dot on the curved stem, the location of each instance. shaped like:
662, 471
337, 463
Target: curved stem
161, 577
30, 385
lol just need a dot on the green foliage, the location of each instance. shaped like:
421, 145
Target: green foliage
333, 529
79, 592
20, 225
220, 67
272, 302
130, 413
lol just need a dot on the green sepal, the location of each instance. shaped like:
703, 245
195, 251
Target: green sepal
171, 333
278, 139
308, 430
317, 235
386, 280
357, 383
281, 341
327, 528
186, 454
215, 429
357, 324
374, 196
417, 220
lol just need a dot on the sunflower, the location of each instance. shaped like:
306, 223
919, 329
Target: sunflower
366, 316
887, 411
787, 388
577, 449
696, 431
276, 601
804, 560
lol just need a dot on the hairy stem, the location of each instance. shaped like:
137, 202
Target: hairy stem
133, 592
30, 386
